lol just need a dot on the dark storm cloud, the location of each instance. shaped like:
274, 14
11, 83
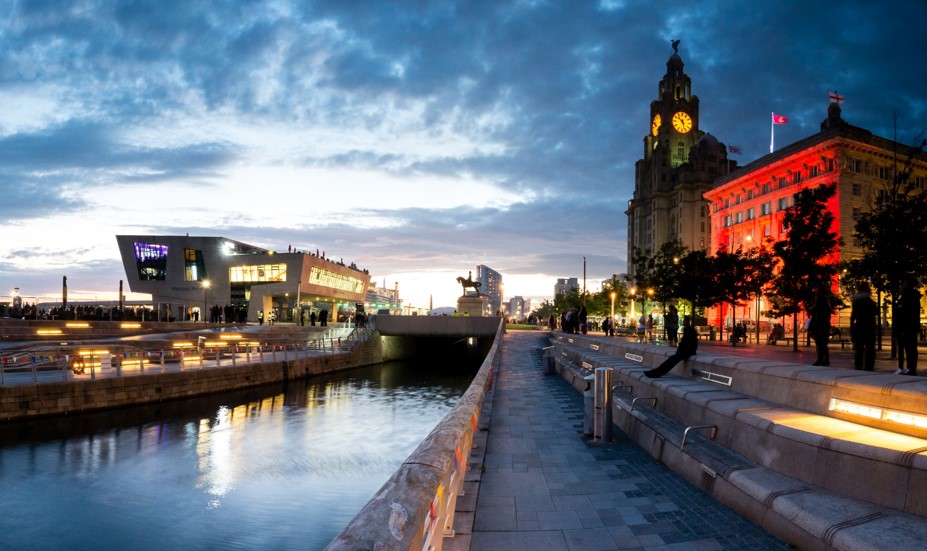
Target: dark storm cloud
558, 92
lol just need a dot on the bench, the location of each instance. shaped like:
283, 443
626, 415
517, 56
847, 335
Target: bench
703, 331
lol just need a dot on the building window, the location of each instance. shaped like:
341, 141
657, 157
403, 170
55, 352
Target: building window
855, 165
783, 203
727, 203
151, 261
885, 172
766, 230
856, 213
703, 211
259, 273
812, 171
782, 182
857, 189
194, 267
738, 217
796, 177
766, 188
751, 213
828, 165
703, 227
749, 194
920, 182
766, 208
727, 221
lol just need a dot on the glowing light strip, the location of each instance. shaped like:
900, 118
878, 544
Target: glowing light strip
130, 325
48, 331
882, 414
77, 324
230, 337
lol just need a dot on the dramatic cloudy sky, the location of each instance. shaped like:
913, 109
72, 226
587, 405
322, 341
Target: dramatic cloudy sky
416, 138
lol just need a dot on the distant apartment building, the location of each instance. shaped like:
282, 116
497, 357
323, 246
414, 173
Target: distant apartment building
516, 308
565, 285
491, 287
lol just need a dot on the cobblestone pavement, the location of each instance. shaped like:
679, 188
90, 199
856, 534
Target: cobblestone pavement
547, 487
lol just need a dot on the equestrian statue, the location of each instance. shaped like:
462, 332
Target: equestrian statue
469, 283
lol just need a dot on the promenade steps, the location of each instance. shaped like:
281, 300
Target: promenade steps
779, 455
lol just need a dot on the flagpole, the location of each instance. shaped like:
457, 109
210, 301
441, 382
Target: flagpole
772, 132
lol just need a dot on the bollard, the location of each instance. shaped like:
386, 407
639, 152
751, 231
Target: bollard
549, 367
588, 406
603, 412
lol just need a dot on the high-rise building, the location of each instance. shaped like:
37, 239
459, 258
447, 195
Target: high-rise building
565, 285
680, 163
516, 308
491, 287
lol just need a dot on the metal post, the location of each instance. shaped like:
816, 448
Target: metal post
603, 413
33, 369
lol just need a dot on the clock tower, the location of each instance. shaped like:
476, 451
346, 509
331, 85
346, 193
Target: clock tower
680, 163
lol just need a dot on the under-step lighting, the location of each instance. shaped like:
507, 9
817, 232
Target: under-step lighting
882, 414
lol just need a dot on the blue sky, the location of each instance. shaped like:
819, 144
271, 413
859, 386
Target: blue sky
415, 138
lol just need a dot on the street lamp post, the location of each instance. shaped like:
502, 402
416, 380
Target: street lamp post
611, 320
633, 296
205, 291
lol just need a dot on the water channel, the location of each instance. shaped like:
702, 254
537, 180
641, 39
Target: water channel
279, 467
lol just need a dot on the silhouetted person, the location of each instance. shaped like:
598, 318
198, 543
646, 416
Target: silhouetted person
688, 344
820, 325
907, 325
863, 328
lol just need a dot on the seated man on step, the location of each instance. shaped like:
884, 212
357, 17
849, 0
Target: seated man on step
686, 349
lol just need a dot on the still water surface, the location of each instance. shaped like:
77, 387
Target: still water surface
282, 467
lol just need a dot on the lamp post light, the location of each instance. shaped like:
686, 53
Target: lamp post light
205, 291
611, 320
633, 296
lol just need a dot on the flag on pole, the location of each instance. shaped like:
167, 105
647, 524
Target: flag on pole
835, 97
779, 119
734, 149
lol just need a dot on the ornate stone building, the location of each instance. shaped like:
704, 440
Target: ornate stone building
747, 205
680, 163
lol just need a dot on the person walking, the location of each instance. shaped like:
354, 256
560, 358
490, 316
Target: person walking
671, 322
688, 345
863, 328
820, 325
907, 326
650, 328
641, 328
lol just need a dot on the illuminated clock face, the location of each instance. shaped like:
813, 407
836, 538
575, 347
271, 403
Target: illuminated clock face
655, 127
682, 122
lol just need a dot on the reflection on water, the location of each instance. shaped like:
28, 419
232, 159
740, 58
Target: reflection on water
280, 467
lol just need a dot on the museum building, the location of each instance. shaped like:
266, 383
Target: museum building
187, 275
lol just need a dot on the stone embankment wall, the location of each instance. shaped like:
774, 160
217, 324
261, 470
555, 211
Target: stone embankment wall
68, 397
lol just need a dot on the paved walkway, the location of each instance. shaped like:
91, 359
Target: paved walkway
547, 487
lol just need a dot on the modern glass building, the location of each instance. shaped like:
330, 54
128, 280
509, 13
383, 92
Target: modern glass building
187, 276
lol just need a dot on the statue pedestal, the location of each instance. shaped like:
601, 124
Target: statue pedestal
471, 305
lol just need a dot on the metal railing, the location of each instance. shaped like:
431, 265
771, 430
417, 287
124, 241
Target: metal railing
45, 364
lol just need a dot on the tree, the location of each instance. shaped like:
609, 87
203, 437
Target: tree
893, 233
741, 275
697, 284
807, 256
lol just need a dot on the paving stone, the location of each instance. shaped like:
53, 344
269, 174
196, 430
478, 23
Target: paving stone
547, 487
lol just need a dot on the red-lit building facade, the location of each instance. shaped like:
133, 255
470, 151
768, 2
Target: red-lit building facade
747, 205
